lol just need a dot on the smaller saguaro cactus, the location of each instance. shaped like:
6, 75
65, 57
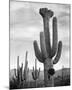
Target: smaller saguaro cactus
62, 72
21, 71
26, 70
14, 74
35, 73
18, 75
21, 76
18, 69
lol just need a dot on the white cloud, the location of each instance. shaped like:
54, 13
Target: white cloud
17, 5
27, 32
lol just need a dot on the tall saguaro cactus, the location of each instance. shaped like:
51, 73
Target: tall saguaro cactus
35, 73
48, 55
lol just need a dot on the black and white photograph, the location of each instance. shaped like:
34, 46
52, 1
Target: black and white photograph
39, 39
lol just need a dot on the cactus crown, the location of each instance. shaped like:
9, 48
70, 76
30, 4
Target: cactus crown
45, 11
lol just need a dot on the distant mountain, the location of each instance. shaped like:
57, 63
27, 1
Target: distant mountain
66, 71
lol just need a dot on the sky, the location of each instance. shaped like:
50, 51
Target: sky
25, 26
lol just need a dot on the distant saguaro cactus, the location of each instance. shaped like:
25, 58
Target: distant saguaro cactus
18, 75
21, 71
62, 73
26, 70
18, 69
47, 51
35, 73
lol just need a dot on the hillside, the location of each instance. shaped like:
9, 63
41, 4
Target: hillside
66, 71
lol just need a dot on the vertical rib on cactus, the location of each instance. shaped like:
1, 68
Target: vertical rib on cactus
47, 51
35, 73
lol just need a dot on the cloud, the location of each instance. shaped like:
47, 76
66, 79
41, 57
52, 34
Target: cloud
25, 33
15, 5
26, 16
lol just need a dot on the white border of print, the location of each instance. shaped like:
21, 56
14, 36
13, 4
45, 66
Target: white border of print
4, 42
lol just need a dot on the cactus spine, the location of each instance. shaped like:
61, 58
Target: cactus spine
47, 51
35, 73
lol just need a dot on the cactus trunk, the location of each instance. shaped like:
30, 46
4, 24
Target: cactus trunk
47, 66
35, 83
